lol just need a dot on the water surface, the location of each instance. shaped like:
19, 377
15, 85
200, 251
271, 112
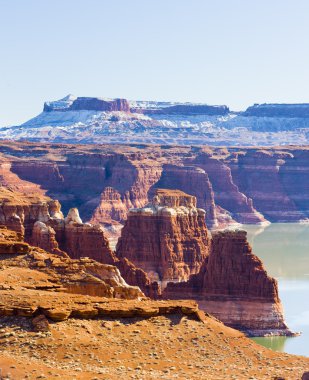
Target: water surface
284, 250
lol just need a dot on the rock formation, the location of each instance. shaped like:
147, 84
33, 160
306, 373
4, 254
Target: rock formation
87, 104
167, 238
227, 194
99, 121
26, 267
19, 211
273, 182
44, 236
278, 110
39, 221
233, 185
111, 207
191, 180
184, 109
234, 286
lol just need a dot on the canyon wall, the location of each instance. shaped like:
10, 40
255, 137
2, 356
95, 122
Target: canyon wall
277, 182
234, 286
163, 242
233, 185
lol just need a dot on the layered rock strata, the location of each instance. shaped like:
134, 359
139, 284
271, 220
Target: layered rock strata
242, 185
226, 194
234, 286
61, 306
168, 238
87, 104
191, 180
23, 266
39, 221
19, 212
277, 182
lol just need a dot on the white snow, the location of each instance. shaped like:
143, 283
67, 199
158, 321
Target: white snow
64, 125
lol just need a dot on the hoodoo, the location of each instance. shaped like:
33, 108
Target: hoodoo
167, 238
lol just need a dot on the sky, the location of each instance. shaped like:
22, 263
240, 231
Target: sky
233, 52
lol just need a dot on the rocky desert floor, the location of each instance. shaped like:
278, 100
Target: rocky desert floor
162, 347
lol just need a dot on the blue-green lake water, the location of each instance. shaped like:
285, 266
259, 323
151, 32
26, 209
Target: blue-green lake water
284, 250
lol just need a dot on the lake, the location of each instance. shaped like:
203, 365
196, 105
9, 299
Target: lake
284, 250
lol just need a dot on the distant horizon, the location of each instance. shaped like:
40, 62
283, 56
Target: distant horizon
156, 100
227, 52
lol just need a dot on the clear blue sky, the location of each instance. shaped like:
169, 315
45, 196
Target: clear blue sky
234, 52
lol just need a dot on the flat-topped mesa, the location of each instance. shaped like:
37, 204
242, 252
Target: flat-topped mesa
167, 238
71, 103
167, 108
234, 286
173, 199
278, 110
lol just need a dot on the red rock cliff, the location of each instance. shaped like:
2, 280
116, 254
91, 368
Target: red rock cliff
27, 267
168, 238
276, 181
39, 221
234, 286
191, 180
249, 185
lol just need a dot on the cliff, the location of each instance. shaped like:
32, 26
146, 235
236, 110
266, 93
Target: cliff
234, 286
39, 221
226, 193
167, 238
233, 185
277, 182
278, 110
191, 180
88, 104
19, 211
183, 109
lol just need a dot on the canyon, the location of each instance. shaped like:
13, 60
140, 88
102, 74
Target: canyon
92, 323
233, 185
59, 274
163, 242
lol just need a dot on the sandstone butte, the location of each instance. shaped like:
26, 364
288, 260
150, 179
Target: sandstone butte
167, 238
59, 318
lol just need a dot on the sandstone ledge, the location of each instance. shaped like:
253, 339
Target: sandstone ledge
61, 306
